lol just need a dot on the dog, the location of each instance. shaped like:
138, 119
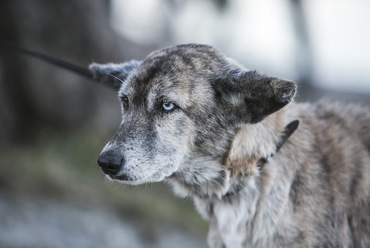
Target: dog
263, 170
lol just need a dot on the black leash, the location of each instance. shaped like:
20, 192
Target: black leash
55, 61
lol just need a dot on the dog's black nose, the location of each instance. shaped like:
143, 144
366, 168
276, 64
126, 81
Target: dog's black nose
110, 162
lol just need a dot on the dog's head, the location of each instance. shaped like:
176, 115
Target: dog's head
179, 105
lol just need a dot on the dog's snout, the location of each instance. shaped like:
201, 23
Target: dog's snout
110, 162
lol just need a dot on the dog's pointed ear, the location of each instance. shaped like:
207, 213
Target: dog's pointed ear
113, 75
253, 96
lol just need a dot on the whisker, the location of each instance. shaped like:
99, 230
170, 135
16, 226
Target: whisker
115, 77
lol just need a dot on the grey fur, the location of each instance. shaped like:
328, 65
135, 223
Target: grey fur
201, 122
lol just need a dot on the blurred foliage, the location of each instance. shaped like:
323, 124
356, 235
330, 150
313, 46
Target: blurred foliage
64, 167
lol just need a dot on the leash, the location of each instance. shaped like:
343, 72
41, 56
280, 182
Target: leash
49, 59
288, 131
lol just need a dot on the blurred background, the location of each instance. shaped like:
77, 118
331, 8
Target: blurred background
53, 124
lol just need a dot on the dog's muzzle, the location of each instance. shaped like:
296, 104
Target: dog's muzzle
111, 163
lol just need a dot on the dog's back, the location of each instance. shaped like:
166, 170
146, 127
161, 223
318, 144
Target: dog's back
330, 191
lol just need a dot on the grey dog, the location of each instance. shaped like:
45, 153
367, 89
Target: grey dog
265, 171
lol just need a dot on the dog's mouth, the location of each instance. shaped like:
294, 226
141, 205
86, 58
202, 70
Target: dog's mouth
123, 178
126, 179
118, 177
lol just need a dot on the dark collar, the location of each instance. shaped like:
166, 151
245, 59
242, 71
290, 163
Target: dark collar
288, 130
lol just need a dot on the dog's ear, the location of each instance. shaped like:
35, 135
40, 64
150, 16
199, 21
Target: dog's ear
113, 75
253, 96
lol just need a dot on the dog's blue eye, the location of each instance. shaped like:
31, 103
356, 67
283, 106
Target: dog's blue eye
168, 106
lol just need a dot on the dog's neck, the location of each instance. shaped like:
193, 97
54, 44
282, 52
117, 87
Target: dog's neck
253, 142
250, 149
